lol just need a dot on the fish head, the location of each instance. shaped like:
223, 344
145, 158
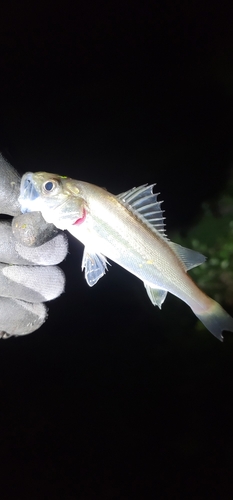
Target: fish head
58, 198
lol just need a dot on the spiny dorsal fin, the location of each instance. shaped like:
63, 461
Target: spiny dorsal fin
144, 202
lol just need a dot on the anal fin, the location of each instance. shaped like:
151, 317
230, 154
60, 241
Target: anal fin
156, 295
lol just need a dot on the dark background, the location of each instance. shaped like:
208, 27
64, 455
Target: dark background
113, 398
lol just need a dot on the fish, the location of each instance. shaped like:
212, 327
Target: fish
128, 229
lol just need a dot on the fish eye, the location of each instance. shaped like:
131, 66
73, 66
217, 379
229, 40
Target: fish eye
49, 186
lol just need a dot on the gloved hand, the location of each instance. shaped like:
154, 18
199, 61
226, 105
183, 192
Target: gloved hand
29, 251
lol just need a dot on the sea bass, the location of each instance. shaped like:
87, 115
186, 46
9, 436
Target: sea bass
127, 229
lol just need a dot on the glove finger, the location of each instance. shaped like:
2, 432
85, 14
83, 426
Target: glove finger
49, 254
13, 252
9, 189
30, 229
31, 283
19, 317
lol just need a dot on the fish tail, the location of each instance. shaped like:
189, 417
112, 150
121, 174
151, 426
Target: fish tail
215, 318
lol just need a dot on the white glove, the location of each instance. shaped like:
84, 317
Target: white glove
29, 251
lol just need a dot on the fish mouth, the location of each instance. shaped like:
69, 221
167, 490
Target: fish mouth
28, 193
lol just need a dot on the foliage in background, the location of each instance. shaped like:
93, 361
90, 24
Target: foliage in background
213, 236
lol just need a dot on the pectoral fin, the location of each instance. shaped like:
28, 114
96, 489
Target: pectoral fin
156, 295
95, 266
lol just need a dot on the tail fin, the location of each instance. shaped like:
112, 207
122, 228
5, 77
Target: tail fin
216, 319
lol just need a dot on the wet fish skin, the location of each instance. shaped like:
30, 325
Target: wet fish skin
128, 229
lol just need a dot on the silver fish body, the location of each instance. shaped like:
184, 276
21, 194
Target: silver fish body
129, 230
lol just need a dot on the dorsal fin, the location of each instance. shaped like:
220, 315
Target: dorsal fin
145, 203
190, 258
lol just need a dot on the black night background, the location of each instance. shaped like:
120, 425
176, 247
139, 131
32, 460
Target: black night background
113, 398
